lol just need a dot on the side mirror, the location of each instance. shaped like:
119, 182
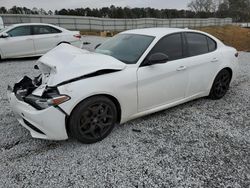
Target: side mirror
97, 45
4, 35
157, 58
36, 67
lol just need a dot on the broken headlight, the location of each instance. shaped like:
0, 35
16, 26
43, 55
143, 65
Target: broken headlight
51, 97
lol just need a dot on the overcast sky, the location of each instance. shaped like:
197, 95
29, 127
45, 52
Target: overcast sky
59, 4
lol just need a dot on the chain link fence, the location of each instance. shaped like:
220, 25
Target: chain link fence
106, 24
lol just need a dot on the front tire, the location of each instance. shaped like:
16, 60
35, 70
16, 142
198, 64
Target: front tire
221, 85
93, 119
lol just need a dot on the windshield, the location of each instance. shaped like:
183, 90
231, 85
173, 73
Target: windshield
127, 48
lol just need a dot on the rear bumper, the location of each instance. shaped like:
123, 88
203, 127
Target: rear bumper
44, 124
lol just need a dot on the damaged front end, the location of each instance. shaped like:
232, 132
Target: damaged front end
39, 114
29, 91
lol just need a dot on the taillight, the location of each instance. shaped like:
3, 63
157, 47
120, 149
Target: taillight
236, 54
78, 36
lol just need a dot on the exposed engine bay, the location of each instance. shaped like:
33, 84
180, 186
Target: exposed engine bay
26, 86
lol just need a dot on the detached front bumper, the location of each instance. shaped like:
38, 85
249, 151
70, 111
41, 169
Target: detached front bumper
44, 124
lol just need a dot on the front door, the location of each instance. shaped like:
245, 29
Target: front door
162, 84
19, 43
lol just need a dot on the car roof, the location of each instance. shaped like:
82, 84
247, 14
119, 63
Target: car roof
157, 32
25, 24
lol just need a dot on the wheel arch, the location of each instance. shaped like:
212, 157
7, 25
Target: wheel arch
212, 81
230, 71
225, 68
63, 42
112, 98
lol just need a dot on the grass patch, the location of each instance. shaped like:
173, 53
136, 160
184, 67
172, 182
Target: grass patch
234, 36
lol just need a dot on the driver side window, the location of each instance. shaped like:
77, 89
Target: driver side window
20, 31
170, 45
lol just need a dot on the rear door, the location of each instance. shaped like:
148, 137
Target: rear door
45, 38
19, 43
202, 62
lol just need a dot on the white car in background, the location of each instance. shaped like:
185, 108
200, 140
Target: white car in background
84, 94
1, 23
34, 39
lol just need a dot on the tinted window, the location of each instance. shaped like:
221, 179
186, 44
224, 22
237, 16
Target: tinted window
54, 30
197, 44
211, 44
171, 46
41, 30
127, 48
20, 31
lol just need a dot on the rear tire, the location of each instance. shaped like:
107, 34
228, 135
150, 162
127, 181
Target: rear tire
93, 119
221, 85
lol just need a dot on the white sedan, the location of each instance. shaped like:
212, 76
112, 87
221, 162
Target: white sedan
34, 39
85, 94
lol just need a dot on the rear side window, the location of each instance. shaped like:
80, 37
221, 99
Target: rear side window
20, 31
211, 44
197, 44
54, 30
170, 45
42, 30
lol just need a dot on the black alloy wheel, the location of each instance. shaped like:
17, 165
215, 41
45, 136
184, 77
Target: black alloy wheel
221, 85
93, 119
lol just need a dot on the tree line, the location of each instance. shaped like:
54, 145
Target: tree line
238, 10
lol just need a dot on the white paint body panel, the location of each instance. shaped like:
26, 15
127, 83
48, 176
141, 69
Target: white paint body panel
161, 84
1, 23
35, 45
139, 90
54, 128
17, 47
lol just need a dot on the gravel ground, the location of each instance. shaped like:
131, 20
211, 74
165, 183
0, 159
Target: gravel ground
202, 143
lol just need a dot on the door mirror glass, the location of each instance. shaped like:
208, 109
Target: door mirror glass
157, 58
4, 35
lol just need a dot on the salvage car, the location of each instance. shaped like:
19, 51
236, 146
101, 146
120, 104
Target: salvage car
84, 94
34, 39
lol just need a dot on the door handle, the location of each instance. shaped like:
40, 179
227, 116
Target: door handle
29, 39
214, 60
182, 68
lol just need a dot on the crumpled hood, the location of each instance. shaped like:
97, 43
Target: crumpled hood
66, 62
